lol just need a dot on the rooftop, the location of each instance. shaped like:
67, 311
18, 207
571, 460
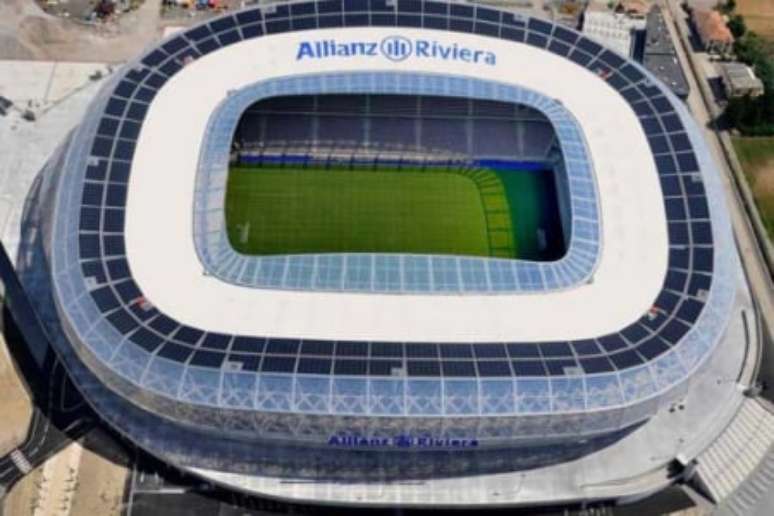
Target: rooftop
711, 26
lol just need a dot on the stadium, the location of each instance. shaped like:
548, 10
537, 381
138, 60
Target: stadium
368, 251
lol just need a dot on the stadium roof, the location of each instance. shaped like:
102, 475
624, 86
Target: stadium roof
165, 263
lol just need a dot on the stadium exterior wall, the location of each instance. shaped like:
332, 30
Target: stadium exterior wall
77, 326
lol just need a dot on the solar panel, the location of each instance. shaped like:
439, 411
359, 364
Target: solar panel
94, 269
486, 29
559, 48
698, 208
698, 283
612, 342
673, 331
384, 367
105, 299
675, 208
251, 16
522, 350
585, 347
512, 34
113, 245
596, 365
304, 23
175, 352
430, 7
146, 339
228, 38
317, 347
689, 310
154, 58
249, 362
251, 31
92, 194
90, 218
314, 365
282, 346
352, 349
118, 268
458, 368
216, 341
536, 40
188, 335
203, 31
558, 367
555, 349
528, 368
97, 170
350, 367
207, 46
386, 349
485, 350
493, 368
248, 344
701, 232
667, 300
625, 359
302, 9
329, 6
589, 46
163, 324
116, 195
174, 45
456, 351
277, 26
423, 368
207, 359
421, 350
278, 364
171, 67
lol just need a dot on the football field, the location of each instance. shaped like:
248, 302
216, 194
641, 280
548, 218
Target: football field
295, 210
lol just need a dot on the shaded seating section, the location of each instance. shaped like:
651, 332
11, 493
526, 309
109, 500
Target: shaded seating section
480, 129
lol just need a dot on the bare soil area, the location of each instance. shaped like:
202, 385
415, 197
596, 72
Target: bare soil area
758, 15
26, 32
15, 405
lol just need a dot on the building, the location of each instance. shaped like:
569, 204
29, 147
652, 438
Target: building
660, 56
740, 80
713, 32
403, 378
614, 27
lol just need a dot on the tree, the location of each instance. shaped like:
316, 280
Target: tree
737, 26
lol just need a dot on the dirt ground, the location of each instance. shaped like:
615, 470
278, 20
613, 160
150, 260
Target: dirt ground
15, 405
758, 15
74, 482
23, 496
26, 32
100, 486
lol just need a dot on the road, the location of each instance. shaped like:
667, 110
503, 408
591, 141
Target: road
758, 276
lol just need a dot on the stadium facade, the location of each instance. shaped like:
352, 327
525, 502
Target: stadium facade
345, 367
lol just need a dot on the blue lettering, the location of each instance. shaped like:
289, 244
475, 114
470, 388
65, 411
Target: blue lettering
305, 50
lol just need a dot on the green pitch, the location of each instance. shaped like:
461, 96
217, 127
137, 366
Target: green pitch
315, 210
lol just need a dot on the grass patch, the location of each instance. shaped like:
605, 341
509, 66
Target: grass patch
757, 158
272, 210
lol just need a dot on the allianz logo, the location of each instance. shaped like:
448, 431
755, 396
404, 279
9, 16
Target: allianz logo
396, 49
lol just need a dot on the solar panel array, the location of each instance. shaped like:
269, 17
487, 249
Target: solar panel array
191, 364
394, 273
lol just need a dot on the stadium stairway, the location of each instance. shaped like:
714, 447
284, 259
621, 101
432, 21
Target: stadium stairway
737, 470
